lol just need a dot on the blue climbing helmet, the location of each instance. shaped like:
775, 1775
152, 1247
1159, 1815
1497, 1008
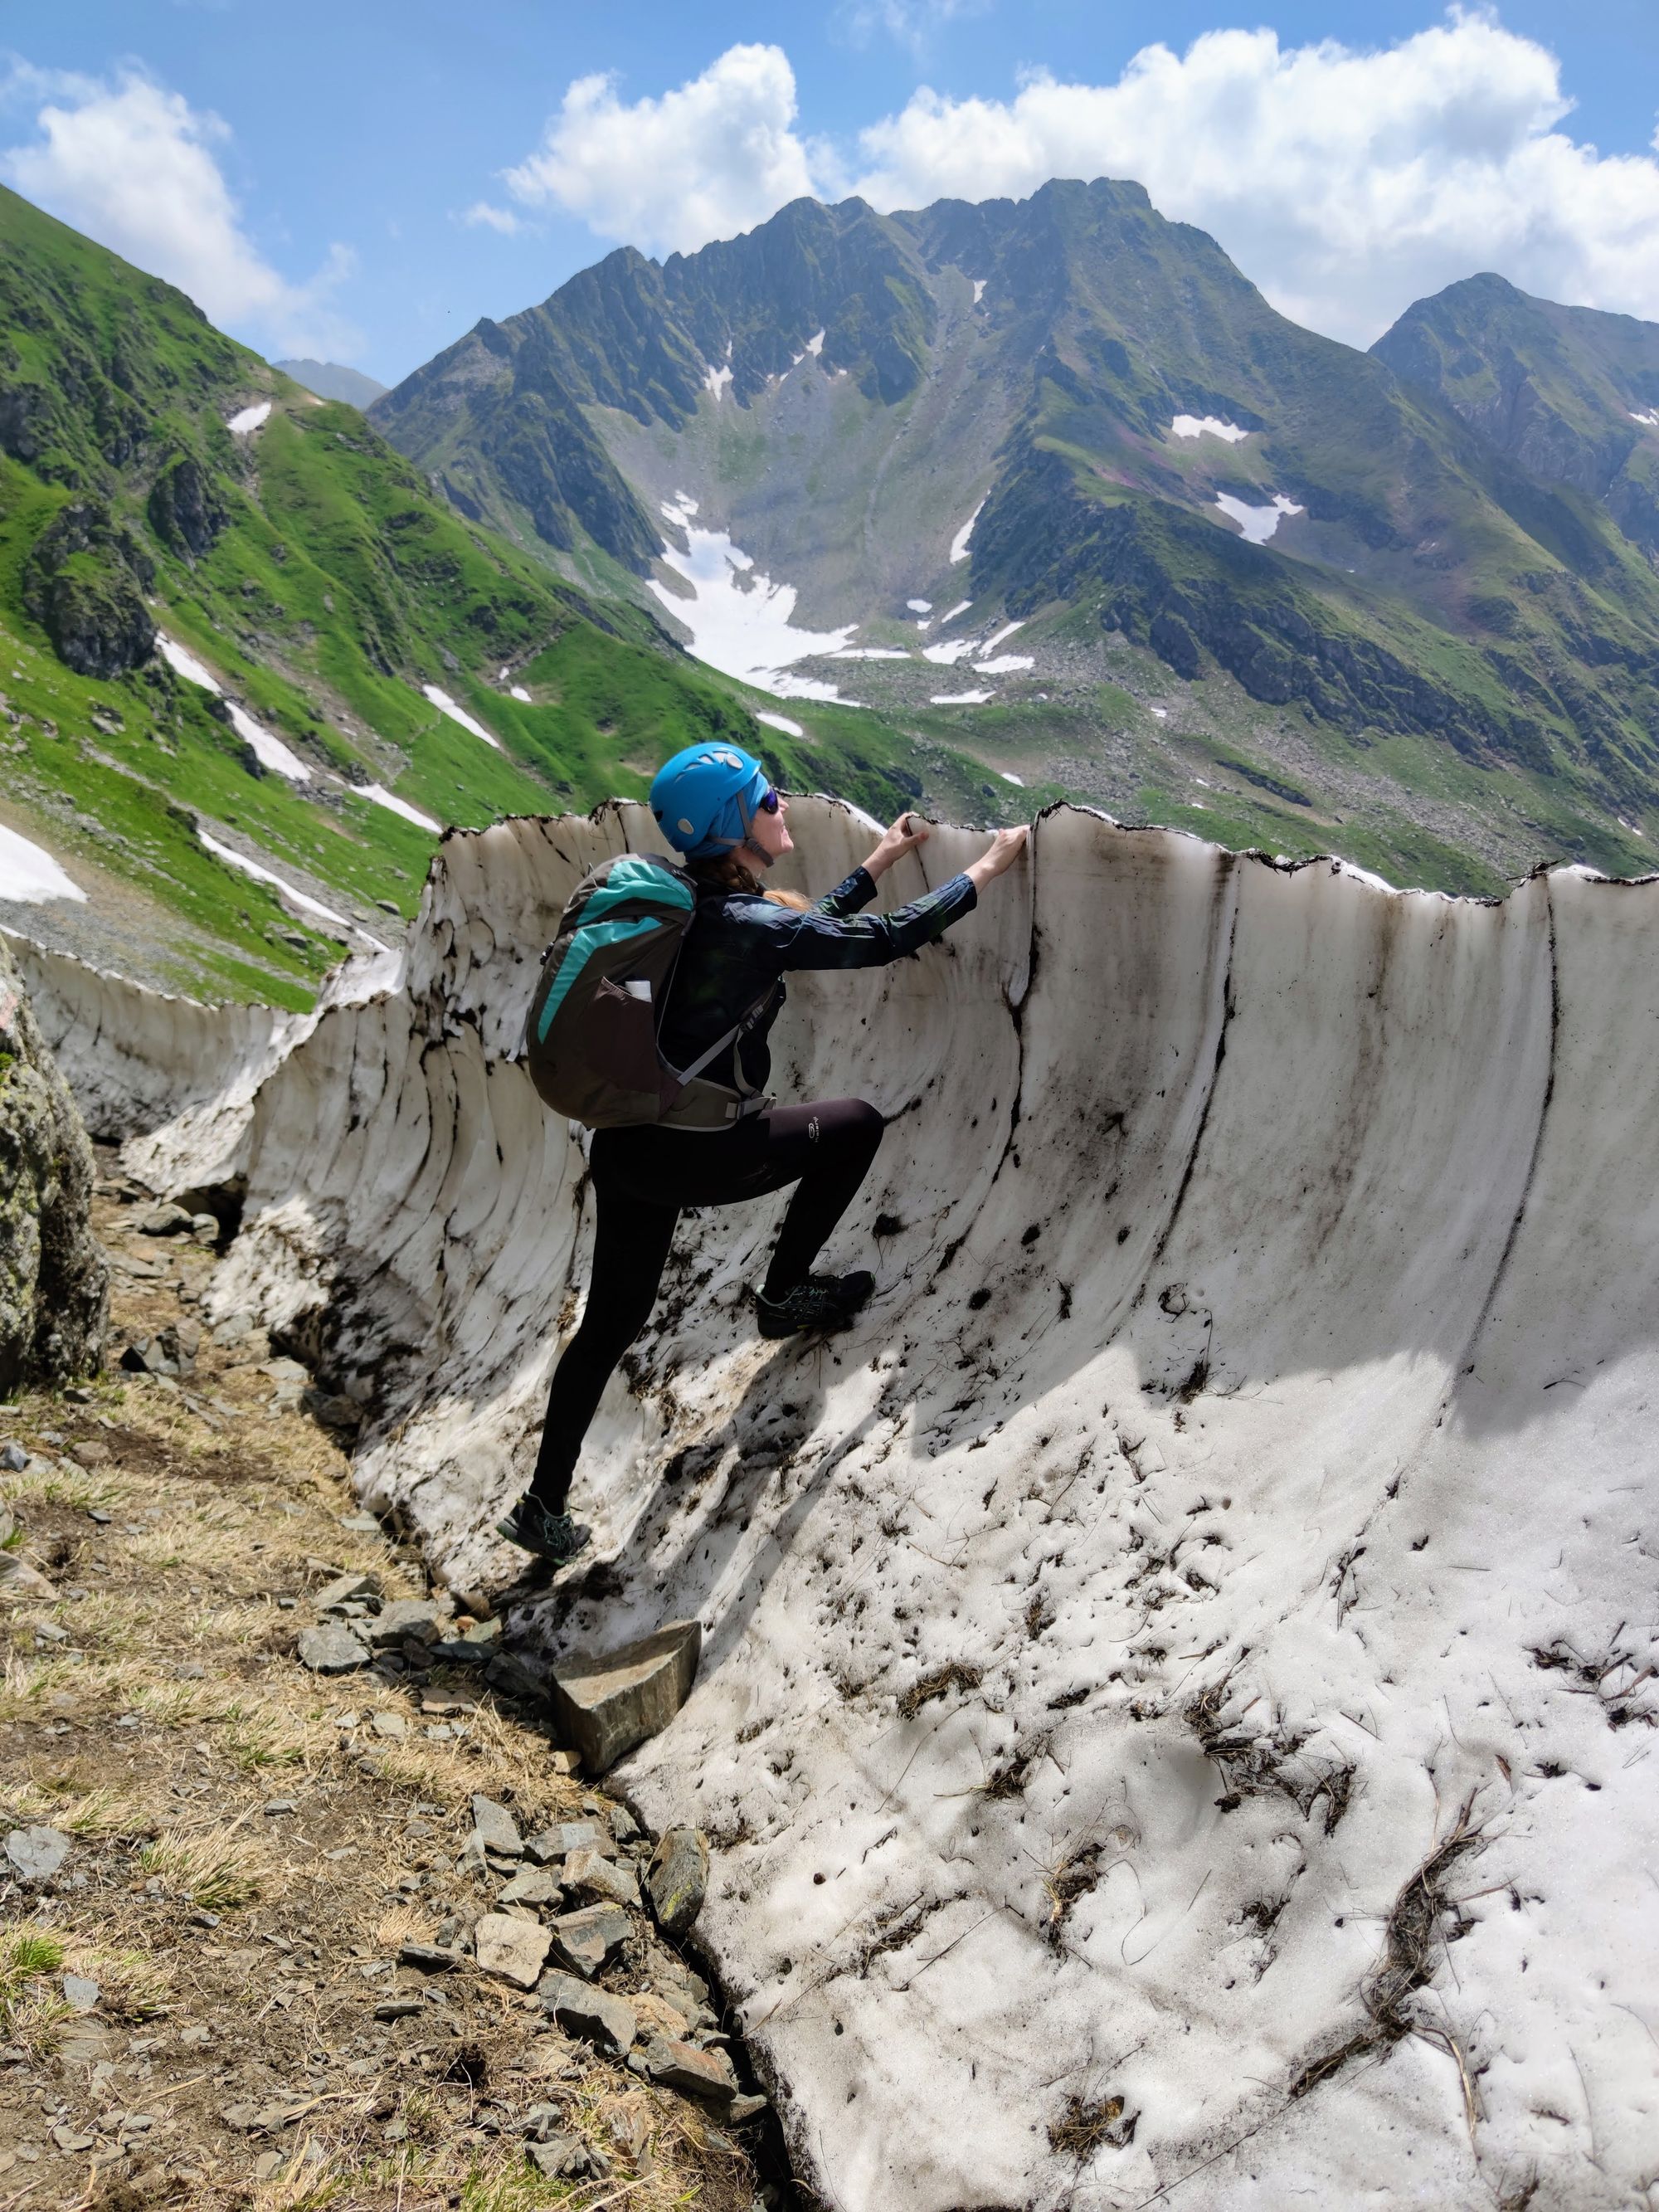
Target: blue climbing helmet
705, 798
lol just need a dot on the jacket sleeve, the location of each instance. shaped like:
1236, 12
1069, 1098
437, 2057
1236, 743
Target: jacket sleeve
817, 940
850, 897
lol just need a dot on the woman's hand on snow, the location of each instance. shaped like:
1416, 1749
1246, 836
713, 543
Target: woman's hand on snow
898, 838
1004, 849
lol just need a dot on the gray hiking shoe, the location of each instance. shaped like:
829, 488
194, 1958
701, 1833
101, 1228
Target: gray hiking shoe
822, 1301
552, 1536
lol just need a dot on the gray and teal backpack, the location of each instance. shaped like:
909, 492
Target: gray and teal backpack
591, 1037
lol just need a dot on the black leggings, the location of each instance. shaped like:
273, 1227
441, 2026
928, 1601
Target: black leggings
641, 1178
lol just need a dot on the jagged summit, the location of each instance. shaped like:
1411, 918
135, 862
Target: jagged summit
1068, 413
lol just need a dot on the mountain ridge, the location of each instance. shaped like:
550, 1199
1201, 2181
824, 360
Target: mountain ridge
1142, 422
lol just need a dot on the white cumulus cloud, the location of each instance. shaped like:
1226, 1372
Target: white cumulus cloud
1346, 181
711, 158
482, 214
134, 166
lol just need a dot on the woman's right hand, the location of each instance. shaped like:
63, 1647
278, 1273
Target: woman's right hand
1004, 849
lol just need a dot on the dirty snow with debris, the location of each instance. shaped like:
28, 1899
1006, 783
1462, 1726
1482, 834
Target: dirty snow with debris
28, 874
1650, 420
959, 698
1177, 1696
445, 705
739, 620
1257, 524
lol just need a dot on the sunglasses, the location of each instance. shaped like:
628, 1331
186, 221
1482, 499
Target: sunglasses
768, 800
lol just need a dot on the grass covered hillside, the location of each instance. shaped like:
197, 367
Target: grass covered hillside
225, 605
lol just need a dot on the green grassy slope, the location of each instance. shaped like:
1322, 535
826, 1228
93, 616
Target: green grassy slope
310, 568
1571, 392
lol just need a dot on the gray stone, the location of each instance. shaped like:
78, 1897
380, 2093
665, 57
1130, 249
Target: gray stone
13, 1458
205, 1228
233, 1329
624, 1826
594, 2014
430, 1958
404, 1619
678, 1878
607, 1704
332, 1649
54, 1278
36, 1853
80, 1993
398, 2008
346, 1589
71, 2139
601, 1879
166, 1219
556, 1842
393, 1725
364, 1524
586, 1941
693, 2072
743, 2108
515, 1949
531, 1886
496, 1829
554, 2155
514, 1678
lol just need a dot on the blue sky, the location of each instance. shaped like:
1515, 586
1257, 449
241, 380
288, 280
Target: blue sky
367, 178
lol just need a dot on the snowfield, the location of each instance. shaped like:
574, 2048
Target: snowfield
28, 874
1175, 1715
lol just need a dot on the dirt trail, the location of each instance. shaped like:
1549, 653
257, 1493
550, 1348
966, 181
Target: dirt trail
251, 1844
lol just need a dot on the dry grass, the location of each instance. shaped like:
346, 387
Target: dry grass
228, 1939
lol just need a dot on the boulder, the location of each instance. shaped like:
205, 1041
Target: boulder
608, 1703
677, 1880
54, 1282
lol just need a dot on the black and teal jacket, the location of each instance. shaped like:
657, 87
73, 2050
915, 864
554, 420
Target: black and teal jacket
741, 943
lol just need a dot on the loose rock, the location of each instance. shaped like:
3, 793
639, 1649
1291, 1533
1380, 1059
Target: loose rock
164, 1220
346, 1589
677, 1879
584, 1942
693, 2072
514, 1948
591, 1875
495, 1829
36, 1853
531, 1886
594, 2014
404, 1619
332, 1649
608, 1703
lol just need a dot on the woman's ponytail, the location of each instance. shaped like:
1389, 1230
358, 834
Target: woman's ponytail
726, 872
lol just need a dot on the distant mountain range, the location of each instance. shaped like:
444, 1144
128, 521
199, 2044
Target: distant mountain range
1402, 603
329, 380
250, 668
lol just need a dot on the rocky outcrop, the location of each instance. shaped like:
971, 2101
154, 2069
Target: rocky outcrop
54, 1284
185, 510
1210, 1578
84, 582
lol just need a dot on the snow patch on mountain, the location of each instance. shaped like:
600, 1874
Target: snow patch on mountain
781, 722
445, 705
1207, 426
959, 542
333, 925
1257, 524
268, 749
1004, 664
393, 804
740, 621
29, 874
249, 419
960, 698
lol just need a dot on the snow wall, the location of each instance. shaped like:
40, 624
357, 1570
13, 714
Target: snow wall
1174, 1719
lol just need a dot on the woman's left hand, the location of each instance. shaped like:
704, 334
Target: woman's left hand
898, 838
